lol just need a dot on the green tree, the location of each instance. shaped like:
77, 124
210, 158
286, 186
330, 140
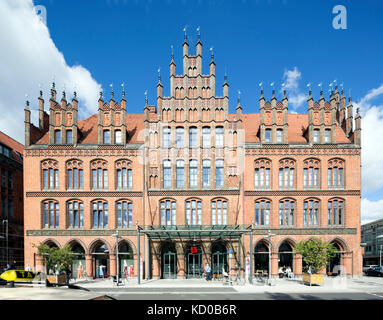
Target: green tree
57, 259
316, 253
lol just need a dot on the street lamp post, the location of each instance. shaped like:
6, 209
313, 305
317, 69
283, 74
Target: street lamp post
269, 235
117, 262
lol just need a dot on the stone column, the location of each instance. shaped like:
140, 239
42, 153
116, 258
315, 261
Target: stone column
274, 264
89, 265
39, 263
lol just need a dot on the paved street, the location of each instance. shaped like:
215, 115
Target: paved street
364, 288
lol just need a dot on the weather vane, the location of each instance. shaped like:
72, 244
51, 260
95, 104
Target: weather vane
309, 86
198, 30
261, 85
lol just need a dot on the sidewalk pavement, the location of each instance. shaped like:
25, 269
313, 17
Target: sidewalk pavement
44, 293
336, 284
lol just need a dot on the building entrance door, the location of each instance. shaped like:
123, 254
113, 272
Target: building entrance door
194, 262
169, 261
218, 259
169, 270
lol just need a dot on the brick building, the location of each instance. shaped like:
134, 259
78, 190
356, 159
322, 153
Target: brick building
11, 202
187, 182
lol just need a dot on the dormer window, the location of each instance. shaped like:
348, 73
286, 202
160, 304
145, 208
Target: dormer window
117, 137
268, 135
69, 139
106, 136
57, 137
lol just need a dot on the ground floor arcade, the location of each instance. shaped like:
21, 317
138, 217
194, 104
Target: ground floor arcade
185, 254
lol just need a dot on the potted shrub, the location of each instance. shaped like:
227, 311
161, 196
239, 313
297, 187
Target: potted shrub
58, 261
316, 253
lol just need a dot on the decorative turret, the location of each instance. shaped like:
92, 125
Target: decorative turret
262, 116
41, 111
123, 115
285, 118
185, 49
349, 119
310, 104
239, 107
358, 129
74, 118
27, 125
342, 111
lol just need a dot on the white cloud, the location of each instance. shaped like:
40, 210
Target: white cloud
28, 58
291, 79
371, 210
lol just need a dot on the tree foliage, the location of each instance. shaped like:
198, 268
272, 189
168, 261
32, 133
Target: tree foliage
57, 259
316, 253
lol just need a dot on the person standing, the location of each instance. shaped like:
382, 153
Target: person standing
208, 272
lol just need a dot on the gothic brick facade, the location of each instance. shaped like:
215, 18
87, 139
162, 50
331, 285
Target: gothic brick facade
187, 162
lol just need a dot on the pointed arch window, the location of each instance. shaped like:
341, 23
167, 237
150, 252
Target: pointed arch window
262, 213
124, 175
50, 174
124, 209
100, 214
180, 173
99, 174
311, 213
117, 137
180, 137
193, 212
167, 174
262, 174
335, 212
219, 140
75, 175
219, 212
335, 174
286, 174
193, 173
69, 138
75, 214
311, 173
57, 137
286, 213
168, 212
50, 214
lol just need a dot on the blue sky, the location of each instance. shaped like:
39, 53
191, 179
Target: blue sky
92, 43
126, 41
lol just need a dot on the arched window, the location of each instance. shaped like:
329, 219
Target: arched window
311, 173
219, 141
100, 214
99, 174
286, 174
206, 138
206, 173
106, 136
316, 136
262, 213
335, 174
180, 173
124, 175
193, 173
311, 213
180, 137
75, 174
57, 138
267, 135
335, 212
168, 212
219, 212
219, 176
167, 174
124, 210
286, 213
193, 212
166, 137
262, 172
75, 214
69, 139
50, 173
50, 214
193, 137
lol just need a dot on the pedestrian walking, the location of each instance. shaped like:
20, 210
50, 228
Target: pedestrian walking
208, 272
